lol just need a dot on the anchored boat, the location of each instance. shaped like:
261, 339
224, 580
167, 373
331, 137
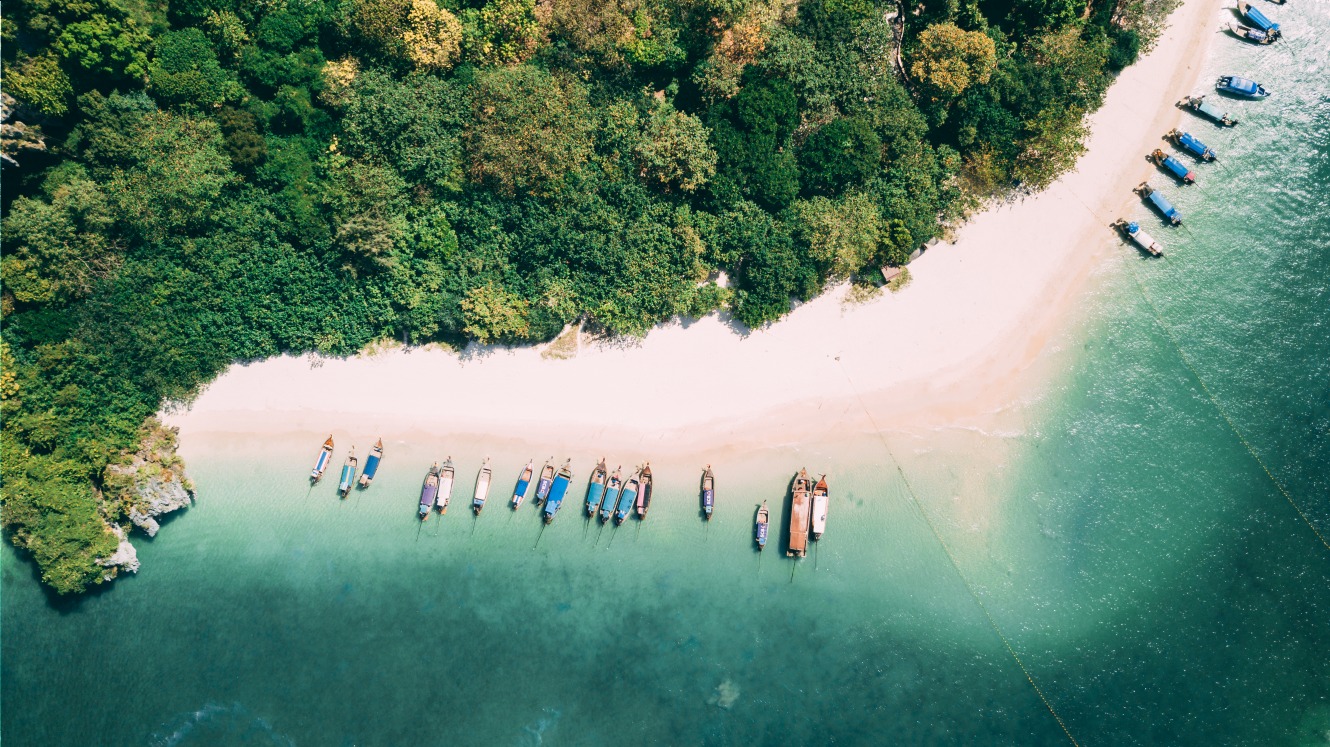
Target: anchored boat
1189, 143
446, 475
1258, 19
321, 464
546, 480
482, 487
348, 473
708, 492
595, 489
611, 498
429, 491
644, 492
557, 491
372, 465
1205, 108
1173, 166
1248, 89
1146, 242
627, 497
763, 519
821, 500
799, 516
523, 484
1161, 203
1255, 36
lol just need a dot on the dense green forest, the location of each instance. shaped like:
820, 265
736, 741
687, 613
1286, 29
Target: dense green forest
197, 182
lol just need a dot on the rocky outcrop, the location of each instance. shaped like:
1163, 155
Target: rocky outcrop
16, 136
150, 482
125, 557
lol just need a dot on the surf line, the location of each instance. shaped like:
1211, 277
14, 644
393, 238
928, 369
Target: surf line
1186, 361
909, 489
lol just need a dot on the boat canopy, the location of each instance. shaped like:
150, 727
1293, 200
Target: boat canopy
1258, 18
1178, 168
1242, 85
1212, 111
1190, 142
322, 462
1143, 238
371, 466
1165, 207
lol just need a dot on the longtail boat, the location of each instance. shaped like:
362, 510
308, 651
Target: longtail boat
446, 474
595, 489
482, 487
348, 478
1248, 89
1173, 166
321, 464
372, 465
429, 491
821, 500
1192, 145
799, 516
546, 481
763, 520
644, 492
1161, 203
557, 491
627, 498
611, 498
1255, 36
1208, 109
523, 485
708, 492
1259, 19
1133, 233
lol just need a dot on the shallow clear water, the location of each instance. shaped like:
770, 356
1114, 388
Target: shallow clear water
1148, 572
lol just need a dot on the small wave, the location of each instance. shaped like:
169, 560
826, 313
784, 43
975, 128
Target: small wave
534, 733
215, 723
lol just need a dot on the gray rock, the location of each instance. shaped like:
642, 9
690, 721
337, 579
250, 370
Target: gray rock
124, 558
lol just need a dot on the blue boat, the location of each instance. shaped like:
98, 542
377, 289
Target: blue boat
1161, 203
1208, 109
1192, 145
1248, 89
627, 498
708, 492
557, 491
611, 498
523, 485
595, 489
321, 464
372, 465
546, 480
1258, 19
348, 477
763, 520
1173, 166
429, 491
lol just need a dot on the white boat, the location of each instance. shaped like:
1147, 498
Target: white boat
445, 486
482, 487
821, 500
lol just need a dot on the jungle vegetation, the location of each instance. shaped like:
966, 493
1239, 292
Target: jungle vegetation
190, 183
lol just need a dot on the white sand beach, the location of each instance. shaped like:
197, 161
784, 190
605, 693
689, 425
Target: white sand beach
953, 348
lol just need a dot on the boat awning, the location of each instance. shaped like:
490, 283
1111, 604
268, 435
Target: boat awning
1177, 167
1212, 111
1192, 144
1258, 18
1163, 204
1144, 239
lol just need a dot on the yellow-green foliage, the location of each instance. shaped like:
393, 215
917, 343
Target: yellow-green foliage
949, 60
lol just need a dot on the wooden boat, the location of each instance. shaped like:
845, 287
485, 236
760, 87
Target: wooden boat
627, 497
372, 465
611, 499
1258, 19
1255, 36
321, 464
763, 520
1173, 166
558, 490
429, 491
482, 487
595, 489
1208, 109
446, 475
348, 478
523, 485
821, 501
1160, 202
546, 481
1191, 144
1133, 233
644, 492
799, 505
708, 492
1247, 89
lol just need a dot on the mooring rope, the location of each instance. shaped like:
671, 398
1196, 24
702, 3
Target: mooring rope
955, 565
1186, 361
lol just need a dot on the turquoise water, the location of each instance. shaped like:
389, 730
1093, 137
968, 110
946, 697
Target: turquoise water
1148, 572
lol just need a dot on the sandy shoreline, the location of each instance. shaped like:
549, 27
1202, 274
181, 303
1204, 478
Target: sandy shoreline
957, 347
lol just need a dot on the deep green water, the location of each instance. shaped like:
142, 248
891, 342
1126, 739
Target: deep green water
1152, 578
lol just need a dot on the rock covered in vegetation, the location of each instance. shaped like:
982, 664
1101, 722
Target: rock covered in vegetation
151, 481
124, 558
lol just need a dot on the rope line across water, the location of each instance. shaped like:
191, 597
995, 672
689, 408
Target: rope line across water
955, 565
